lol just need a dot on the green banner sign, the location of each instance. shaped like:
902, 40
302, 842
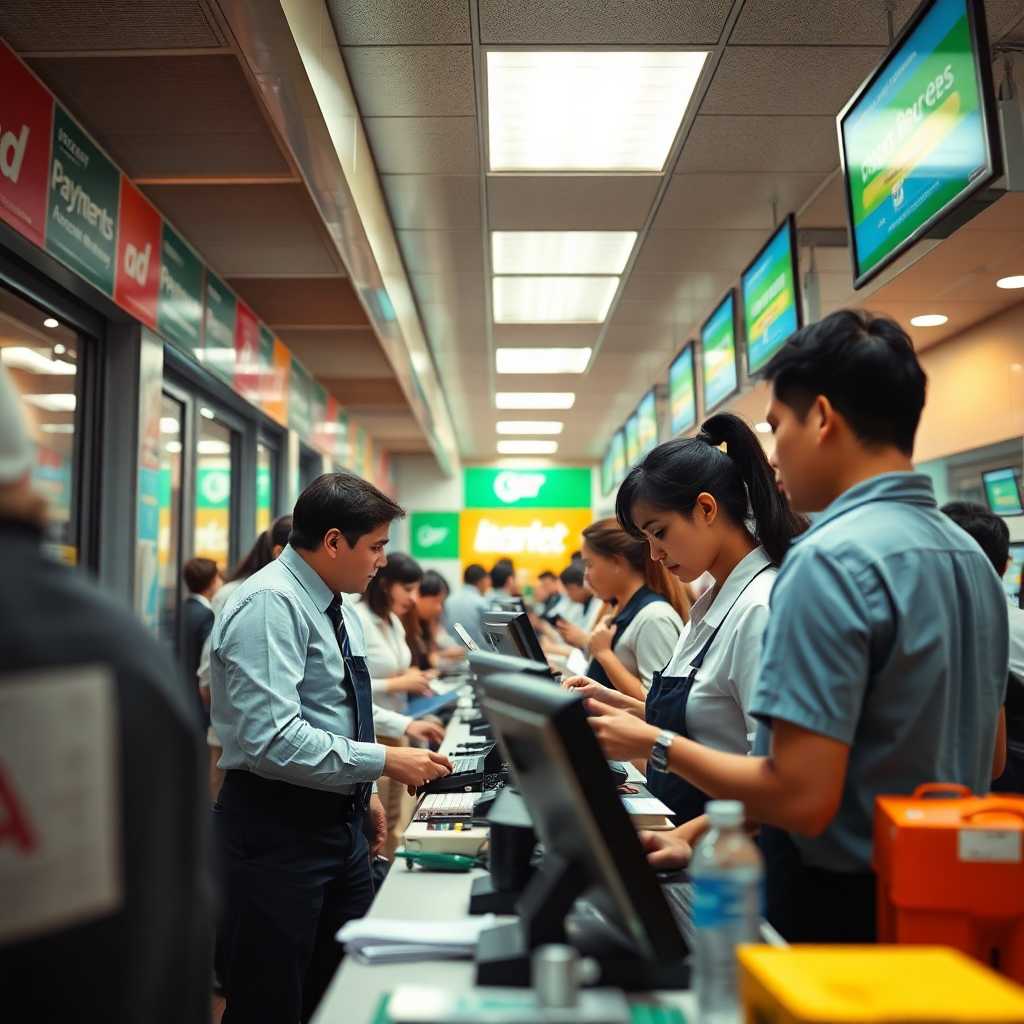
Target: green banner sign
81, 219
179, 309
526, 488
219, 339
434, 534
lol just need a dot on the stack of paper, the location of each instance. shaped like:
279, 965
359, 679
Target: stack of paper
380, 941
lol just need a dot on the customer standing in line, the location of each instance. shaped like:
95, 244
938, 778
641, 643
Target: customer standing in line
467, 606
293, 707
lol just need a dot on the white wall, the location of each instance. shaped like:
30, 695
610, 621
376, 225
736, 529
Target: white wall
421, 487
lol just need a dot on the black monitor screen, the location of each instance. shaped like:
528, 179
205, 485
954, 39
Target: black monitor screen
512, 633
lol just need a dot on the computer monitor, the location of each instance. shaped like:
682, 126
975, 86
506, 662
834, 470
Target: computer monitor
1012, 579
591, 848
489, 663
1002, 491
508, 604
512, 633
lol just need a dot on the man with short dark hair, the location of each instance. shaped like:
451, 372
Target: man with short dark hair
293, 709
503, 580
993, 536
202, 577
885, 657
467, 606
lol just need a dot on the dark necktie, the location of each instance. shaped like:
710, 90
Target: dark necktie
357, 678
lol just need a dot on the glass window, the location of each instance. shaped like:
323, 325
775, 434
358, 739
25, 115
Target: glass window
172, 418
42, 355
213, 490
265, 473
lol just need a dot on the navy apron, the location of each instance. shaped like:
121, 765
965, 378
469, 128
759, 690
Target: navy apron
640, 600
666, 708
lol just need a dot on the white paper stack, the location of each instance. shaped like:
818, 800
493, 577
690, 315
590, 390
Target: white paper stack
382, 941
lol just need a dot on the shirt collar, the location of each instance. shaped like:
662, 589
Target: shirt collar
309, 579
713, 612
202, 600
908, 488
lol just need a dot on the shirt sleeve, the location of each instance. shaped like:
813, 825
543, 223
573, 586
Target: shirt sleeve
262, 651
744, 661
816, 657
389, 723
203, 672
655, 643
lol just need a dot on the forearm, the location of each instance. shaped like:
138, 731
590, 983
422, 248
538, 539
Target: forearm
620, 677
389, 723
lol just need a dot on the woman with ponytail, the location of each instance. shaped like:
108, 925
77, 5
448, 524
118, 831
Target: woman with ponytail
704, 504
627, 648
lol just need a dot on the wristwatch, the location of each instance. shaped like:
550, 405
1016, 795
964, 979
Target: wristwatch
659, 752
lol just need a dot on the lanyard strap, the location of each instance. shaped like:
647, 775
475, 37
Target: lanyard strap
699, 660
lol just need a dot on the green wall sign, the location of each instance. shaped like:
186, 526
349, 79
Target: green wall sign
526, 488
434, 534
179, 309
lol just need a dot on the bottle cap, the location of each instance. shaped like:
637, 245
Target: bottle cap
725, 813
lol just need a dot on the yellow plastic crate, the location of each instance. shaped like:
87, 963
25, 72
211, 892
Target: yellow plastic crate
873, 985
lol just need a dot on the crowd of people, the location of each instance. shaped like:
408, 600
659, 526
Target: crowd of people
800, 634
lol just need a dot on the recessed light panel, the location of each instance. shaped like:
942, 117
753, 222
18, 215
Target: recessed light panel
527, 447
52, 403
560, 252
1014, 281
534, 399
542, 360
530, 426
21, 358
929, 320
553, 300
587, 110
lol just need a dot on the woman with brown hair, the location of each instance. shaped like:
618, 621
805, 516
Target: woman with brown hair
628, 647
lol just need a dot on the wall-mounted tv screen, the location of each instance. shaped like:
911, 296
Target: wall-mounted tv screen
718, 353
920, 135
618, 457
607, 480
647, 423
682, 392
632, 440
1002, 491
1014, 572
770, 289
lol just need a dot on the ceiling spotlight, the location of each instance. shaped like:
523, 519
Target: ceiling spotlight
206, 413
51, 322
59, 349
1015, 281
763, 427
929, 320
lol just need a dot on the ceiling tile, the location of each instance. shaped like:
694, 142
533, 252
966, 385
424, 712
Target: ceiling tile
424, 145
546, 335
569, 203
441, 252
315, 302
725, 143
461, 292
622, 337
410, 81
788, 79
1005, 19
668, 251
681, 289
371, 22
621, 22
840, 22
733, 200
828, 209
422, 201
334, 354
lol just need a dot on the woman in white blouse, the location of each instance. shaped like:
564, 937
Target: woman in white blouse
706, 504
390, 595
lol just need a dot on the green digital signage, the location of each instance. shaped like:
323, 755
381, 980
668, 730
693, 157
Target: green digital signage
771, 296
1003, 492
682, 392
718, 354
619, 465
527, 488
632, 440
920, 135
647, 424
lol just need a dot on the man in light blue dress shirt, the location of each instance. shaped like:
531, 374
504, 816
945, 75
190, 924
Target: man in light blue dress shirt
291, 704
884, 663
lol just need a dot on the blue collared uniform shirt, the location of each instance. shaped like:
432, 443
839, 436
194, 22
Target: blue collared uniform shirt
888, 633
279, 700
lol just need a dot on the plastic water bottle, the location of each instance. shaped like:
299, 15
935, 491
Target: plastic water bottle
727, 872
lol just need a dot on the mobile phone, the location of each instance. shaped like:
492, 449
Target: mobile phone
465, 637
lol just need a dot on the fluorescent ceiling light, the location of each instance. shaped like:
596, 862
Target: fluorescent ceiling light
57, 428
560, 252
929, 320
534, 399
587, 110
173, 447
553, 300
542, 360
213, 448
51, 322
35, 362
52, 403
169, 425
527, 447
1016, 281
530, 426
206, 413
763, 427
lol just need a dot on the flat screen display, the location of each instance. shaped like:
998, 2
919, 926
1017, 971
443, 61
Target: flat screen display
920, 135
632, 440
1002, 491
647, 424
607, 480
770, 289
1012, 579
618, 457
718, 353
682, 392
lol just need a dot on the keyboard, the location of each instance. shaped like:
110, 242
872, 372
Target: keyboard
468, 763
679, 896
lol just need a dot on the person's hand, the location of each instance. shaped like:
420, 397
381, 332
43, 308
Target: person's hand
666, 851
601, 638
414, 766
379, 821
431, 733
623, 737
573, 635
414, 681
451, 653
590, 690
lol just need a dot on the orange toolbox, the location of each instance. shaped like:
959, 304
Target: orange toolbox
951, 873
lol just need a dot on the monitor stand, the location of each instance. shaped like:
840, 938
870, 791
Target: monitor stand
504, 952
